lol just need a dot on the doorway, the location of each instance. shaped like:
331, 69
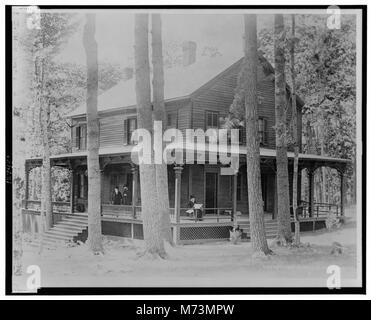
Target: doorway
211, 194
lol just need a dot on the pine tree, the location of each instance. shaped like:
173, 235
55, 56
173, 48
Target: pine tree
94, 187
294, 133
284, 223
256, 212
151, 211
159, 114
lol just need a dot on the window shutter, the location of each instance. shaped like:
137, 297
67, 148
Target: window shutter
125, 131
77, 137
83, 136
265, 138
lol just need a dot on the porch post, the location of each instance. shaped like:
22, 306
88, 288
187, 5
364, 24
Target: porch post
342, 193
299, 187
178, 179
275, 209
27, 182
72, 190
311, 191
234, 198
102, 166
134, 170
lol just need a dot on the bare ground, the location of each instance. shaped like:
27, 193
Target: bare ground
205, 265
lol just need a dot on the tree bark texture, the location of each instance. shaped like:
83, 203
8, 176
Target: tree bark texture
295, 134
256, 212
284, 224
151, 211
94, 176
159, 114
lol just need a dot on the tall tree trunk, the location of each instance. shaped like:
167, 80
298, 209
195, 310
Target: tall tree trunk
151, 214
94, 192
46, 197
295, 134
284, 224
21, 90
159, 114
256, 212
41, 65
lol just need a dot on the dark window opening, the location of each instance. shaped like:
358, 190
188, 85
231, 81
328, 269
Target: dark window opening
132, 126
80, 135
82, 185
262, 131
212, 120
172, 120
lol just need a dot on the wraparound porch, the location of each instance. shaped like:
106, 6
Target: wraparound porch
224, 198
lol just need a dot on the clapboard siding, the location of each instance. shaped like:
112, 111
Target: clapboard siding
111, 131
216, 96
219, 97
183, 110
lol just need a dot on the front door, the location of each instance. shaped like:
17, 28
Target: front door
211, 196
129, 185
264, 191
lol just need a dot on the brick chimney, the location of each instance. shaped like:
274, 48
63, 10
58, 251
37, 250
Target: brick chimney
189, 53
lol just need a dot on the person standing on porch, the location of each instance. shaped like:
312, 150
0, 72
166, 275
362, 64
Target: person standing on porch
125, 191
116, 196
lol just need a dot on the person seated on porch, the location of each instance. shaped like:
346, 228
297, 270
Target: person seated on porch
194, 208
125, 191
116, 196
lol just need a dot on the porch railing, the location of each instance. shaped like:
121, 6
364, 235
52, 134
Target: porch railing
35, 205
319, 209
208, 215
121, 211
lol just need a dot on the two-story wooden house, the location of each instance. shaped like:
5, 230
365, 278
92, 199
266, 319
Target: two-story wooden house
197, 95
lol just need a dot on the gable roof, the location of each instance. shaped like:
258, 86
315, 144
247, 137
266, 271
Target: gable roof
179, 82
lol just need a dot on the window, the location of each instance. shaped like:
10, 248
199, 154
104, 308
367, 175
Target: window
172, 120
80, 136
241, 134
132, 126
82, 184
262, 130
212, 120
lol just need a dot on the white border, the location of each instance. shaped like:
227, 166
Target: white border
178, 297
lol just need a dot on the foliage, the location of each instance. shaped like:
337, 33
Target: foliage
325, 68
325, 65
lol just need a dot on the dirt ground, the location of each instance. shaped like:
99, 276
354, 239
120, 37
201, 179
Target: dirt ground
205, 265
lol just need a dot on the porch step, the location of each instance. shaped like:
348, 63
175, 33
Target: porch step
74, 228
83, 218
65, 230
270, 229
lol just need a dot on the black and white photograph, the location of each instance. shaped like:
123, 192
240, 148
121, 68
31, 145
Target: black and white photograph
186, 148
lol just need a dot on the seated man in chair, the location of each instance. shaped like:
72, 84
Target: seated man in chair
195, 209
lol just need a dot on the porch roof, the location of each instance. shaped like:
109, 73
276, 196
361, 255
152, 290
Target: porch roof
264, 153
